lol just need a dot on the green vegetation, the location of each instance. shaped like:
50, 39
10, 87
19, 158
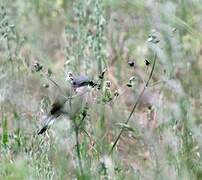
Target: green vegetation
142, 120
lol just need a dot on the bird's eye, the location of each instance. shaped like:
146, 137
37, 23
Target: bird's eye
74, 83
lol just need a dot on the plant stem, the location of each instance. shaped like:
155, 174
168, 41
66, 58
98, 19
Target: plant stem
135, 105
78, 151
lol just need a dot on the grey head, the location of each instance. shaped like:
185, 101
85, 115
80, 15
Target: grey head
82, 80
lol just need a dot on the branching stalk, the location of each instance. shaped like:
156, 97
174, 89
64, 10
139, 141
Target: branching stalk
135, 105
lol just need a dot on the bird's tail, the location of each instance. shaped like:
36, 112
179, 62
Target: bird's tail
50, 120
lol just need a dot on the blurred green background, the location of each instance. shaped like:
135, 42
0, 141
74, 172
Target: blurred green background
163, 139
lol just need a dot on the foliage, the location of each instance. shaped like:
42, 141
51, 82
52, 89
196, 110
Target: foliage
114, 44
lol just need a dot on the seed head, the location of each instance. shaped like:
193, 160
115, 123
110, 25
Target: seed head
116, 93
147, 63
37, 66
108, 84
131, 63
46, 86
101, 76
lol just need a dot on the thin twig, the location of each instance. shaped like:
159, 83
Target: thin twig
90, 138
135, 105
55, 83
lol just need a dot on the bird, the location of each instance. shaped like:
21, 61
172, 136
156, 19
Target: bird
58, 106
81, 81
56, 110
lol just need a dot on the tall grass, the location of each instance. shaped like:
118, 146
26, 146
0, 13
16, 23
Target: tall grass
159, 119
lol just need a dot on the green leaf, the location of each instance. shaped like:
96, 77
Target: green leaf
127, 127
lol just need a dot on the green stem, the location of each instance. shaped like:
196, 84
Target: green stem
78, 151
135, 105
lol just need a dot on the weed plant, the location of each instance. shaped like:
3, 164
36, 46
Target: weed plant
141, 118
